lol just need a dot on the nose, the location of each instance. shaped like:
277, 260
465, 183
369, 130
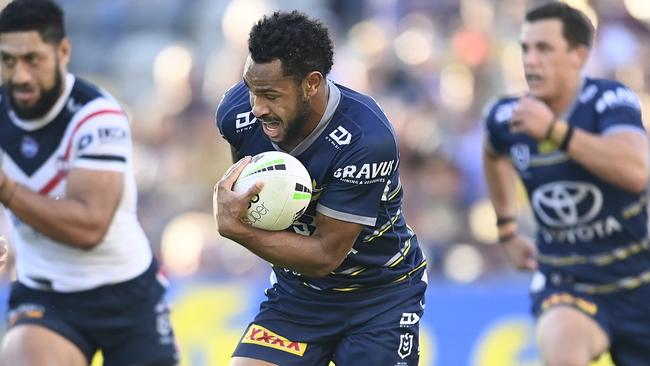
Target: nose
21, 74
530, 58
260, 107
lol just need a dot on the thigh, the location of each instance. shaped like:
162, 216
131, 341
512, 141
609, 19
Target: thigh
571, 327
631, 331
33, 345
388, 330
290, 331
141, 336
33, 312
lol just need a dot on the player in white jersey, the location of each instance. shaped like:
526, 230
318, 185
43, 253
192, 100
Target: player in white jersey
86, 277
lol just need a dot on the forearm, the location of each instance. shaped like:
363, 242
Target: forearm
620, 159
501, 179
67, 221
304, 254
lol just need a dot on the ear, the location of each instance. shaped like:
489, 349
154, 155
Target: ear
311, 83
63, 50
581, 55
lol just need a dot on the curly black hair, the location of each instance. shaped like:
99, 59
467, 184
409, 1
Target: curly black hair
43, 16
302, 44
576, 27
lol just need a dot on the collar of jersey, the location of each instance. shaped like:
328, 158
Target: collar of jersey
35, 124
332, 103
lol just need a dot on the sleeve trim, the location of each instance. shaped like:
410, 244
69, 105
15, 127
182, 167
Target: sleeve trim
344, 216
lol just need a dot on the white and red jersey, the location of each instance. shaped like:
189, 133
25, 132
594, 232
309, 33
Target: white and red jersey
85, 129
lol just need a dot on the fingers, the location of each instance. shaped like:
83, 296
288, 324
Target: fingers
230, 177
255, 189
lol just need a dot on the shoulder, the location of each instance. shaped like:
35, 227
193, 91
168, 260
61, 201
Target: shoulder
499, 110
234, 109
609, 94
94, 109
359, 120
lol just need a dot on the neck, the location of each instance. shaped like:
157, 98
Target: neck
561, 103
317, 107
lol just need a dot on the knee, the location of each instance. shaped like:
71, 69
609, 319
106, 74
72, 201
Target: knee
563, 358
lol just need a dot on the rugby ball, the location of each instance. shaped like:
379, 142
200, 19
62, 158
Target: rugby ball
286, 193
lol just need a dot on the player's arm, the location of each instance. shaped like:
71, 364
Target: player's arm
501, 179
313, 256
81, 219
620, 157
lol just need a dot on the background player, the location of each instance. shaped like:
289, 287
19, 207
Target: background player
580, 148
86, 277
348, 276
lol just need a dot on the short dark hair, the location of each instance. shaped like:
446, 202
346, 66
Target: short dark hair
302, 44
576, 27
43, 16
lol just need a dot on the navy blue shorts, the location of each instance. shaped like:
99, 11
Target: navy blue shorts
624, 315
376, 327
128, 321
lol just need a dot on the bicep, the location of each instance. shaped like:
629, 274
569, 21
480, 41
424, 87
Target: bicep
99, 190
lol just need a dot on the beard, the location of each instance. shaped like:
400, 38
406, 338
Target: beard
43, 104
299, 121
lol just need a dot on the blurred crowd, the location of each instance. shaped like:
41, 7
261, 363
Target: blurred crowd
431, 64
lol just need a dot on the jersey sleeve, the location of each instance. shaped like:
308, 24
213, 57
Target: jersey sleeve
619, 109
102, 141
359, 177
496, 117
227, 118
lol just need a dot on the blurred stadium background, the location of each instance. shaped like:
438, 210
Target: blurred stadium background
431, 64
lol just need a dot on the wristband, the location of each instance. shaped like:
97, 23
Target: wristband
505, 220
549, 131
507, 237
567, 139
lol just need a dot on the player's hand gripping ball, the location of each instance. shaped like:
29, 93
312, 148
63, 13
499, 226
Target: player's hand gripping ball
286, 193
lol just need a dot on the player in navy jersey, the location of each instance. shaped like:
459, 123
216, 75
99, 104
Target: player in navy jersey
348, 277
86, 278
579, 146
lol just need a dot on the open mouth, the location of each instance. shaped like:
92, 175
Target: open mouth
24, 95
272, 128
533, 78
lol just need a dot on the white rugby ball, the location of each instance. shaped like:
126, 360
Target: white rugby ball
286, 193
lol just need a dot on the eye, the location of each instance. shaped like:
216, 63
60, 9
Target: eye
32, 59
8, 61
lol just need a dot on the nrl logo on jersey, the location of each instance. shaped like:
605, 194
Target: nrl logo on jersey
244, 120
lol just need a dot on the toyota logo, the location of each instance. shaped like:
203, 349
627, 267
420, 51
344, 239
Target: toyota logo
564, 203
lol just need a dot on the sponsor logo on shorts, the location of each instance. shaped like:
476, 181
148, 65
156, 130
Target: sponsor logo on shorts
263, 337
405, 345
26, 311
409, 319
563, 298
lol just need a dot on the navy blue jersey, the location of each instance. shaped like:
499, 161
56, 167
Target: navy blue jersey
353, 160
579, 214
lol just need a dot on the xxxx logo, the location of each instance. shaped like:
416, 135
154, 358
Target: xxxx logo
263, 337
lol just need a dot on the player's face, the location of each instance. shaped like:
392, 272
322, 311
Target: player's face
32, 72
278, 102
550, 64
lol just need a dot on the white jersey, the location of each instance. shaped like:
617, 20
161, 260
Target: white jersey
85, 129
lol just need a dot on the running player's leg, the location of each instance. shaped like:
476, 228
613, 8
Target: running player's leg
568, 337
245, 361
35, 345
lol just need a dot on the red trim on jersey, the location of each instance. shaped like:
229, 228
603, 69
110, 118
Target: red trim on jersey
63, 173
